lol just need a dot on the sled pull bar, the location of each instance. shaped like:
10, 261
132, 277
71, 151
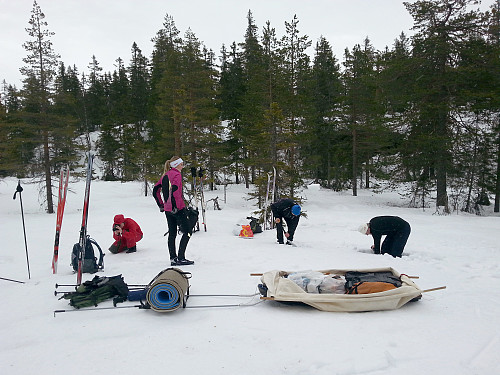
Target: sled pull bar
433, 289
410, 277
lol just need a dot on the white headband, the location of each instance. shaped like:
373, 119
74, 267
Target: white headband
175, 163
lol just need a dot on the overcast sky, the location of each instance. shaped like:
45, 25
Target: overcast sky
107, 28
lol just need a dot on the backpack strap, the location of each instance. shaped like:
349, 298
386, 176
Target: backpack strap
100, 263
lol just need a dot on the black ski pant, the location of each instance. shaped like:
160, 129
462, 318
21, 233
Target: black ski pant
394, 244
174, 221
291, 224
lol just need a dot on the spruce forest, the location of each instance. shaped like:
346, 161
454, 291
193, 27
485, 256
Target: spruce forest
423, 114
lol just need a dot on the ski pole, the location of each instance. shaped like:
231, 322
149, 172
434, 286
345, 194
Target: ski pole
14, 281
75, 285
145, 307
223, 295
97, 308
19, 190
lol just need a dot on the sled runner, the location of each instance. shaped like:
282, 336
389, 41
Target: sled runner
399, 289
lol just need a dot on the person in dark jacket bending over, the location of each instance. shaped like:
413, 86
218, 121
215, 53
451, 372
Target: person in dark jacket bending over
287, 209
394, 228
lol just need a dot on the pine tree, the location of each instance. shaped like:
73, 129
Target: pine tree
140, 91
292, 98
40, 70
362, 106
166, 92
66, 116
230, 96
95, 97
200, 117
323, 117
253, 101
117, 134
442, 27
17, 138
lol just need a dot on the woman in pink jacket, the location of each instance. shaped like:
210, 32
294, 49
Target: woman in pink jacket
175, 210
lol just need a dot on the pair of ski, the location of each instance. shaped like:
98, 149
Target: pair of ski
270, 191
83, 229
61, 202
198, 191
63, 188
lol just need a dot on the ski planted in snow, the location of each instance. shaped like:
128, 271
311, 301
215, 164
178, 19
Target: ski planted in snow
202, 199
63, 189
271, 187
266, 200
195, 195
83, 230
273, 192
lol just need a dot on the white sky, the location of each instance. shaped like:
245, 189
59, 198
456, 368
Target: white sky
107, 28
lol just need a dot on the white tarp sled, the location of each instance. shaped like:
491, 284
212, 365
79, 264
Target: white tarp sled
280, 288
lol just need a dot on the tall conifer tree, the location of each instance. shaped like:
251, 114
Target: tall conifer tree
40, 70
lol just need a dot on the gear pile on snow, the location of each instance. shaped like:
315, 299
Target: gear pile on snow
97, 290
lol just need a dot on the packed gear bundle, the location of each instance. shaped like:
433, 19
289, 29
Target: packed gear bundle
97, 290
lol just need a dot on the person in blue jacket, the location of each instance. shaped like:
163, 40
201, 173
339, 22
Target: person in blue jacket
395, 230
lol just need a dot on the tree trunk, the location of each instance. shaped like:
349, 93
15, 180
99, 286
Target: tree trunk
497, 186
48, 175
367, 175
354, 162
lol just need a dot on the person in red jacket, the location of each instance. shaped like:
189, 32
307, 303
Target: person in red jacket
126, 233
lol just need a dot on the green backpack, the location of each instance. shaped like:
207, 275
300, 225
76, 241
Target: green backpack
97, 290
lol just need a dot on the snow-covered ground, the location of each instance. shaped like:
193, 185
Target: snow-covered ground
451, 331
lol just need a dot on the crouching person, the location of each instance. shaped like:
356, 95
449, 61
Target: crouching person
395, 230
289, 210
126, 233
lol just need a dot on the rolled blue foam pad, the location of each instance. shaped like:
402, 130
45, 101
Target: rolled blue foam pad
137, 295
164, 297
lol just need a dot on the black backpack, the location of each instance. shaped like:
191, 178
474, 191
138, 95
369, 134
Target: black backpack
192, 214
90, 263
354, 278
254, 225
